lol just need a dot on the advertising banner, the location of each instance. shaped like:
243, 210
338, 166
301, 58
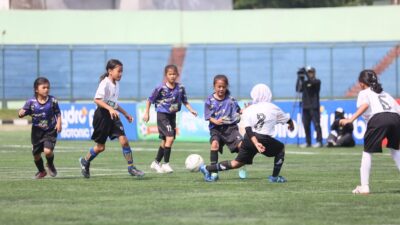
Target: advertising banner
77, 120
190, 128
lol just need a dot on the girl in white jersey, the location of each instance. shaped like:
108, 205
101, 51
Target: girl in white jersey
106, 122
381, 112
259, 120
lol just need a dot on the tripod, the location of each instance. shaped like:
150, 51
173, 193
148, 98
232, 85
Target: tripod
296, 104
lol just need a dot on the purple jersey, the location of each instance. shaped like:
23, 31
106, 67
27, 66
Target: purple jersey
168, 100
44, 116
227, 109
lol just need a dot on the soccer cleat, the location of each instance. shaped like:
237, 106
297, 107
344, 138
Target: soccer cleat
52, 170
40, 175
85, 167
214, 176
305, 145
206, 173
156, 166
135, 172
361, 190
317, 145
277, 179
166, 168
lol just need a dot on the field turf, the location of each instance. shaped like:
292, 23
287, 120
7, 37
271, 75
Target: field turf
318, 190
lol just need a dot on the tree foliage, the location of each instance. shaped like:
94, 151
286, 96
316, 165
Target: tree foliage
258, 4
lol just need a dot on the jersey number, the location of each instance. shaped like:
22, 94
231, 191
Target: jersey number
260, 122
385, 104
169, 128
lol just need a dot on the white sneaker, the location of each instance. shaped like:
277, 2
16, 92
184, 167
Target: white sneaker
156, 166
305, 145
317, 145
363, 190
166, 168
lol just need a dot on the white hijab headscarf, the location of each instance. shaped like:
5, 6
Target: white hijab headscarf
261, 93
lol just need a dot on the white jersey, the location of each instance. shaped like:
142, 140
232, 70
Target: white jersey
263, 116
108, 92
377, 103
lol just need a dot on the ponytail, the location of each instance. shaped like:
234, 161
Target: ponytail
369, 78
103, 76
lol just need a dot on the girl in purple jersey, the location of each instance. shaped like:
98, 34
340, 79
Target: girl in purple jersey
46, 123
381, 112
168, 99
223, 113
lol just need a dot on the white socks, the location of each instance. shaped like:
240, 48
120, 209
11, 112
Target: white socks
366, 161
396, 157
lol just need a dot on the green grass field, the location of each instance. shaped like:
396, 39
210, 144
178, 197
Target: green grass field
318, 190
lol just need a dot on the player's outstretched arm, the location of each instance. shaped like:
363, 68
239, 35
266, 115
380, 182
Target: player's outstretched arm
146, 116
189, 107
21, 113
125, 113
59, 124
358, 113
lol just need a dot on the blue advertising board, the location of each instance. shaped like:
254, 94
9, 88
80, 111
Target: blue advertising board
77, 121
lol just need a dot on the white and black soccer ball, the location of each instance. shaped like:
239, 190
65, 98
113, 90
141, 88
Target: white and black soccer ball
193, 162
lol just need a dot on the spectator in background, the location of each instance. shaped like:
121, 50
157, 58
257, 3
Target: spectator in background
340, 136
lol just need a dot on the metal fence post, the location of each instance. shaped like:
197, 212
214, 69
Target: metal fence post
139, 71
271, 62
397, 70
363, 56
331, 72
3, 80
238, 71
37, 61
205, 71
71, 66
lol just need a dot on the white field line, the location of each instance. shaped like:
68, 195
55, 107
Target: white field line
67, 149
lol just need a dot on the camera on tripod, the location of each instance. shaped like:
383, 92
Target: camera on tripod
302, 73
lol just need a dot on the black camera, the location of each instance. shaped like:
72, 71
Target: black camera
302, 73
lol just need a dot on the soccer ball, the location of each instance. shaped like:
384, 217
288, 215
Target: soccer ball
193, 162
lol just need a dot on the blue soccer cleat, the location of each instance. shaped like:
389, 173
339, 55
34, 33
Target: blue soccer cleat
133, 171
85, 165
206, 173
278, 179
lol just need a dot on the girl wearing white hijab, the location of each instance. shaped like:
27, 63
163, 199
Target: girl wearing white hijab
259, 120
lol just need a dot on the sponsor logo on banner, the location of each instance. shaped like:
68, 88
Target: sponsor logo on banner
76, 121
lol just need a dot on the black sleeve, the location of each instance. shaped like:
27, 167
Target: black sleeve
335, 125
316, 84
249, 132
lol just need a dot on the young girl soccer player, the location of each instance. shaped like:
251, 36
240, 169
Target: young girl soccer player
46, 123
106, 121
168, 99
381, 112
223, 113
259, 120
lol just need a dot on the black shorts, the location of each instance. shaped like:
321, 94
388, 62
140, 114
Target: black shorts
380, 126
226, 135
105, 127
41, 139
248, 150
166, 124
